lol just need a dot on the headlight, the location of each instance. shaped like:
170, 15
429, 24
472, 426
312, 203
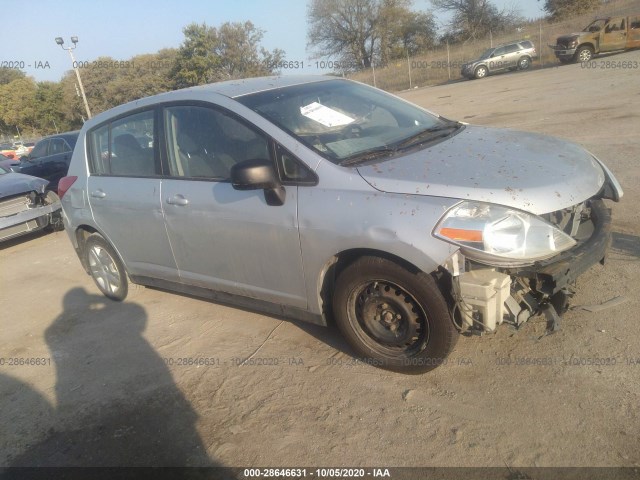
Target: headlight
500, 235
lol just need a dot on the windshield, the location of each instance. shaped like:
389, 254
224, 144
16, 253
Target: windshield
341, 119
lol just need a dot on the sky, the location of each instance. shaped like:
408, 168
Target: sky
124, 28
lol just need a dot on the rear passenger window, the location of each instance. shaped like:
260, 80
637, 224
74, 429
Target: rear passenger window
124, 147
205, 143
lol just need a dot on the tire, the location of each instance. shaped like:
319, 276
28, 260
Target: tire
524, 63
584, 54
106, 268
393, 318
480, 72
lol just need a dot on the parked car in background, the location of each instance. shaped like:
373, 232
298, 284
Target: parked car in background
314, 197
7, 150
49, 158
26, 205
600, 36
508, 56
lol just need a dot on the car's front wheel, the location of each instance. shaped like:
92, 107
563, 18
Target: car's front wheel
481, 72
392, 317
106, 268
584, 54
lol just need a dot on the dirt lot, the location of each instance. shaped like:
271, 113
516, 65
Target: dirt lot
114, 384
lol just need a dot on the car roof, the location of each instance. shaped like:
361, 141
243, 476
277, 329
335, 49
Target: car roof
511, 43
228, 88
64, 135
238, 88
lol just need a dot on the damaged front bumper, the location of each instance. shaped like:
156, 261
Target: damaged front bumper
563, 53
485, 297
30, 220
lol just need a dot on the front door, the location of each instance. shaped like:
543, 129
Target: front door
222, 238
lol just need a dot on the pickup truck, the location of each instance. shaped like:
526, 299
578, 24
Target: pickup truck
600, 36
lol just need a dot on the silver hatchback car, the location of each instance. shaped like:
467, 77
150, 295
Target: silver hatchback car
320, 198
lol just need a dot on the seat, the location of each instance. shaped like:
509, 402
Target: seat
129, 158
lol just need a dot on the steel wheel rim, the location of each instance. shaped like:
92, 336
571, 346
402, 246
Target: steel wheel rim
104, 270
585, 55
388, 319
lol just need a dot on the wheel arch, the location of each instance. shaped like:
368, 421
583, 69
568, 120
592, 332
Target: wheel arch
82, 232
338, 262
587, 44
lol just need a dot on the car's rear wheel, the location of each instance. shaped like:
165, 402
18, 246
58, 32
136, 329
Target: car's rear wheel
393, 318
481, 72
524, 63
106, 268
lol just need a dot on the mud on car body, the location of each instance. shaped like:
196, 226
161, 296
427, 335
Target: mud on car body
322, 198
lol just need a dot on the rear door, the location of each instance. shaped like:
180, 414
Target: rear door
124, 194
614, 36
633, 32
225, 239
512, 55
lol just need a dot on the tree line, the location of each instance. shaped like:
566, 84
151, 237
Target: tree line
354, 33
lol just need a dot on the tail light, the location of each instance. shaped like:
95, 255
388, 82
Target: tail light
64, 184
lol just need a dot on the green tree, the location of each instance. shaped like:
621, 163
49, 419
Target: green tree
210, 54
9, 75
49, 115
18, 104
561, 9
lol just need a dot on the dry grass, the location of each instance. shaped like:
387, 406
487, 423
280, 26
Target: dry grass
436, 66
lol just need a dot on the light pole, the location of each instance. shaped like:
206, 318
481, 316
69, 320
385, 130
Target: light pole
74, 40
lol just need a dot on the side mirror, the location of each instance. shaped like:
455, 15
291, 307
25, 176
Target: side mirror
258, 175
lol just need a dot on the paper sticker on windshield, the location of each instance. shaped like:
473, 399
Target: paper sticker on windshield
325, 115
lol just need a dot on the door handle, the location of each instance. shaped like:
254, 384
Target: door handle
98, 194
178, 200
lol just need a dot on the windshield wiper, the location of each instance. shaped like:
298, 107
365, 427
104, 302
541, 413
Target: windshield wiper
367, 155
427, 135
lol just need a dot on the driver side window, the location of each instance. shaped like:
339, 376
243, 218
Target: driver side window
204, 142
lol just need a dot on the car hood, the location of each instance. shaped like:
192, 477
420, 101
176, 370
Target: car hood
16, 183
528, 171
571, 35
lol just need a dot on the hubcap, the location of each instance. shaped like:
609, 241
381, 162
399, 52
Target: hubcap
104, 270
481, 72
524, 63
585, 55
390, 317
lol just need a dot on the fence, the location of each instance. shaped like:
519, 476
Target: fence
443, 64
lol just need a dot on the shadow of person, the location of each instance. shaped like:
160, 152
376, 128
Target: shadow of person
24, 415
117, 404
